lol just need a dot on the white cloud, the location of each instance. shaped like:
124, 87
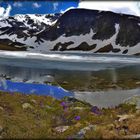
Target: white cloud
55, 5
4, 13
7, 11
1, 11
17, 4
127, 7
36, 5
63, 11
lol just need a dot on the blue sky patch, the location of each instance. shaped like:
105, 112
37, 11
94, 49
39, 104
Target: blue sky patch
35, 7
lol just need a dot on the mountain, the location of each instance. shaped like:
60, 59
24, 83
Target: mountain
20, 31
75, 30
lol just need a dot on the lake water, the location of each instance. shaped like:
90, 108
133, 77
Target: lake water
102, 80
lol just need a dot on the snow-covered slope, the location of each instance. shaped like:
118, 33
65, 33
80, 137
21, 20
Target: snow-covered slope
21, 30
75, 30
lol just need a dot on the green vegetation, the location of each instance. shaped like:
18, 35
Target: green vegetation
11, 47
32, 116
120, 78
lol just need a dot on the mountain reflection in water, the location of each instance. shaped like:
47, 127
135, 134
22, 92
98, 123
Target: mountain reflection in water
99, 87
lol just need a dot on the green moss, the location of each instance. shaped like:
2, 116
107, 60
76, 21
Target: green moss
97, 81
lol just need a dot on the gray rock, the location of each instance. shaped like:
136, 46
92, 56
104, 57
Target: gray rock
134, 100
1, 108
33, 101
125, 117
137, 136
1, 130
78, 108
48, 107
49, 78
138, 83
26, 106
61, 129
83, 131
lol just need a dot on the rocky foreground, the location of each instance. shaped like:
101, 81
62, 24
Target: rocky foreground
32, 116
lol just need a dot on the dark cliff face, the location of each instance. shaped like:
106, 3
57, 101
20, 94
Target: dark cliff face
80, 21
75, 30
129, 33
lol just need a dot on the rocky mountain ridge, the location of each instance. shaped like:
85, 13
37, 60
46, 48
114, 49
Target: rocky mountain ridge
75, 30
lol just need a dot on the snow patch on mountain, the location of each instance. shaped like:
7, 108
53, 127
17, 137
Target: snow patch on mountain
48, 45
38, 19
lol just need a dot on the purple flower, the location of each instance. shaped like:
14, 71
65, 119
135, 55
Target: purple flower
12, 93
96, 110
77, 118
41, 104
69, 138
64, 105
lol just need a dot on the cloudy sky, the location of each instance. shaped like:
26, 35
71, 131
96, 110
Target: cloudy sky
11, 7
127, 7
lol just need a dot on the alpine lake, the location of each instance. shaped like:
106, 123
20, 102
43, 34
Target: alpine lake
38, 101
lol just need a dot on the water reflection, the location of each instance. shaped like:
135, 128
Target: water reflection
107, 98
121, 78
32, 88
103, 88
113, 73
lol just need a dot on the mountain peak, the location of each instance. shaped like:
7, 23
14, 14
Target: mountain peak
75, 30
